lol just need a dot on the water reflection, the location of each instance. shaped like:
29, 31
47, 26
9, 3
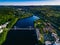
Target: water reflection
23, 37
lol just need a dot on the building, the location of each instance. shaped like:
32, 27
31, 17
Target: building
3, 26
48, 43
56, 43
1, 30
0, 27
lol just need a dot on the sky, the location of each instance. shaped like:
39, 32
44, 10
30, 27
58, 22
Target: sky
29, 2
21, 0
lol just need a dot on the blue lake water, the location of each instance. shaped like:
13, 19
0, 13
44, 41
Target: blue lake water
27, 22
23, 37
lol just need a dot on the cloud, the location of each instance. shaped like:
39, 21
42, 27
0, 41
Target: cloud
55, 2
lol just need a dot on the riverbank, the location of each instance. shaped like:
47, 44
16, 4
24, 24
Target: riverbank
46, 30
30, 36
39, 24
6, 30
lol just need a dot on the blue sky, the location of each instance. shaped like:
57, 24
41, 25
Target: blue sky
20, 0
29, 2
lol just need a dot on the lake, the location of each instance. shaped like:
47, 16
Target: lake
23, 36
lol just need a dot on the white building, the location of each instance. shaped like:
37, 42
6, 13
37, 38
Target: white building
56, 43
0, 27
38, 33
3, 26
48, 43
54, 34
1, 30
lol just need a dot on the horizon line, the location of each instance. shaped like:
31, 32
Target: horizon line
31, 3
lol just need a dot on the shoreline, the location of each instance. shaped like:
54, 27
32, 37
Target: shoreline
6, 31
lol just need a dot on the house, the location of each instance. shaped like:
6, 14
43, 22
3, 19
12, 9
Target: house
56, 43
38, 33
1, 30
54, 34
0, 27
48, 43
3, 26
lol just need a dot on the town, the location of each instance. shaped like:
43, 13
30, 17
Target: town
45, 21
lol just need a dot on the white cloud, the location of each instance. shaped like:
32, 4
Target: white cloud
56, 2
